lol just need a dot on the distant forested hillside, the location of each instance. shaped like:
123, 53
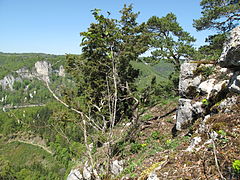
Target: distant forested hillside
10, 62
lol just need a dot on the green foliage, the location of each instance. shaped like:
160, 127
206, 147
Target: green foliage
147, 72
205, 102
24, 161
6, 170
236, 166
155, 135
104, 70
136, 147
213, 50
170, 40
222, 15
147, 117
222, 133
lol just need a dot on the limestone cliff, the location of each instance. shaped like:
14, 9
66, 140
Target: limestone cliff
207, 89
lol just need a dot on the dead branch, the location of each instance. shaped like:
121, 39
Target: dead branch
216, 160
83, 115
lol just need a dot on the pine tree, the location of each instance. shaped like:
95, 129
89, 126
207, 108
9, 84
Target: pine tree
222, 15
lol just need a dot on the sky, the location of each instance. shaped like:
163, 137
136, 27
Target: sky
53, 26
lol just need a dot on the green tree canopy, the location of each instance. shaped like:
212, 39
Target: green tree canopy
104, 70
169, 40
222, 15
213, 50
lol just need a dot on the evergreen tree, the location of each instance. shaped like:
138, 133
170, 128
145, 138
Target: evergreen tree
222, 15
169, 40
106, 76
213, 50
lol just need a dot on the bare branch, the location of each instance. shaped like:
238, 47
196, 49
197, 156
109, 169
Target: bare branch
83, 115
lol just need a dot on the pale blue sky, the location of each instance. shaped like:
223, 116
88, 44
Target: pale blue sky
53, 26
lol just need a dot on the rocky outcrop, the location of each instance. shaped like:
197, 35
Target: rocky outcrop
86, 172
188, 82
43, 70
230, 57
200, 96
61, 71
7, 82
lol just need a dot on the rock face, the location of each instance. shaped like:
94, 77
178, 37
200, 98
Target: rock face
61, 71
202, 96
187, 80
43, 70
230, 57
7, 82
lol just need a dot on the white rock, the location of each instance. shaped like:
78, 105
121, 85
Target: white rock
187, 78
61, 71
75, 175
218, 87
116, 167
87, 172
226, 104
153, 176
7, 82
184, 113
194, 142
206, 87
43, 70
197, 108
25, 73
202, 127
223, 70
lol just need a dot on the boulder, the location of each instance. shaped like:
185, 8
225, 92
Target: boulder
116, 167
184, 113
230, 57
